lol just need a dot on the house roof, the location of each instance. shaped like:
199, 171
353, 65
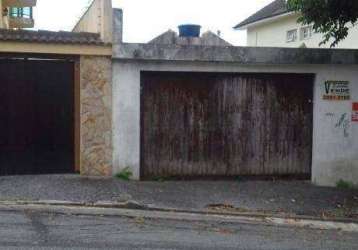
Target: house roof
276, 8
42, 36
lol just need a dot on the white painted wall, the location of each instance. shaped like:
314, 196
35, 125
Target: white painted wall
273, 34
97, 19
335, 156
126, 115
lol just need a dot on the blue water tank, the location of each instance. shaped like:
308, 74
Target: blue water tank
189, 30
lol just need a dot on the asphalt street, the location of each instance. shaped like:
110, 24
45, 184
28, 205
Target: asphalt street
30, 229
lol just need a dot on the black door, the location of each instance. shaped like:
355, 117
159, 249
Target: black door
36, 117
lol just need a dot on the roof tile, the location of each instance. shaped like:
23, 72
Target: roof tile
275, 8
44, 36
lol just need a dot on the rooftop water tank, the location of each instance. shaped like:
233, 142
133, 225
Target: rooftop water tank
189, 30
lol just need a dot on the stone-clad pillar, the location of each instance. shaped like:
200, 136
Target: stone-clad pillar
96, 115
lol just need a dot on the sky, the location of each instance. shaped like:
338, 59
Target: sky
146, 19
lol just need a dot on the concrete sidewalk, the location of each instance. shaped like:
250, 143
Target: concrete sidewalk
280, 197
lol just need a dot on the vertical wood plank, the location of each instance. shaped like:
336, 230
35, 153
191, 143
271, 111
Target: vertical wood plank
203, 124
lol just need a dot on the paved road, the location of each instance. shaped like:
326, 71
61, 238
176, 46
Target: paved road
34, 230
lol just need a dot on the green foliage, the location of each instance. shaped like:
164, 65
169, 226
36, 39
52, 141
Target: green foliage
344, 185
125, 174
303, 46
160, 179
332, 18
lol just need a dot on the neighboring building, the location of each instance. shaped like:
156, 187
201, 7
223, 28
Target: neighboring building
55, 99
276, 26
207, 39
97, 19
16, 14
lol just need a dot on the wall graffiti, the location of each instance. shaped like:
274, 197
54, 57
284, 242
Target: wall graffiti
344, 124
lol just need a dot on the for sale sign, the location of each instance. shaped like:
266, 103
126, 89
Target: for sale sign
355, 112
336, 91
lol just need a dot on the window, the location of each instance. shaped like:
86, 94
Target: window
291, 35
306, 32
25, 12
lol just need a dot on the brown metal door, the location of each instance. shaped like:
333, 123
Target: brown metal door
201, 124
36, 114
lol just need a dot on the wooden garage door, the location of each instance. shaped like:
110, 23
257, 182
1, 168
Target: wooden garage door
36, 117
201, 124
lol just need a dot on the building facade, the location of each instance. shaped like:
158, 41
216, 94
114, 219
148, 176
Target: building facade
260, 138
276, 26
197, 106
177, 106
223, 111
17, 14
59, 85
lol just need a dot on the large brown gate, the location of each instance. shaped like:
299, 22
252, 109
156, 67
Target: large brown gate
36, 116
203, 124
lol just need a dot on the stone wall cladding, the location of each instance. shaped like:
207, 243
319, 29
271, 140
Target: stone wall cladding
96, 115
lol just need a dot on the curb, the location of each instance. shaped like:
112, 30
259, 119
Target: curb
130, 204
132, 209
260, 215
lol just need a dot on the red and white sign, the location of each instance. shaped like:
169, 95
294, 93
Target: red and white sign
355, 112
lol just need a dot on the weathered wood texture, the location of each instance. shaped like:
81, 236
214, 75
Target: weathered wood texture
36, 117
202, 124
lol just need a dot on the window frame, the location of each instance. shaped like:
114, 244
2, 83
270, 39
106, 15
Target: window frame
309, 29
21, 12
295, 35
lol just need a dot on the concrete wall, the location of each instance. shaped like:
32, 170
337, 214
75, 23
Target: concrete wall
334, 147
274, 34
97, 19
117, 24
96, 115
206, 39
